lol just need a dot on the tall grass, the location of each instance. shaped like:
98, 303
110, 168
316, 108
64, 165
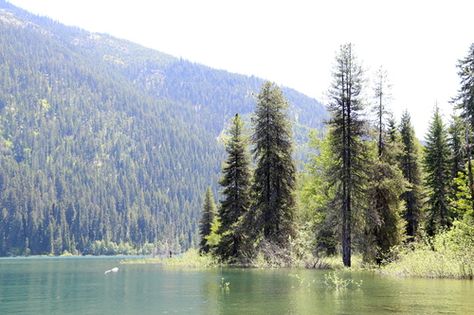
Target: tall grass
449, 254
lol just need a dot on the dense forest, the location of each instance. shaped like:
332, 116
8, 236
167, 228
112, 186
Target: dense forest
107, 146
369, 188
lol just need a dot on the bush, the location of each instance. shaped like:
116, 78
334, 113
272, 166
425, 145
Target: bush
449, 254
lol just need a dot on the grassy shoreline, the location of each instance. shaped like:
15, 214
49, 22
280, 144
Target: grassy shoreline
420, 262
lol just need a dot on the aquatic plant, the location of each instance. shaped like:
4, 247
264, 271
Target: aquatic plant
225, 285
335, 281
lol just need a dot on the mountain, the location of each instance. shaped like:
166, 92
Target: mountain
103, 139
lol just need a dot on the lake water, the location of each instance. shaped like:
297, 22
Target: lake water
79, 286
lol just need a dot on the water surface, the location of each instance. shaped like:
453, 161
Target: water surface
79, 286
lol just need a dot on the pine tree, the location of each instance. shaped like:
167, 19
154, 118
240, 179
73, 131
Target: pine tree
384, 224
274, 177
436, 166
236, 194
346, 127
207, 220
411, 172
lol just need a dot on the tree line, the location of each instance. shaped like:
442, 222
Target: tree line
369, 187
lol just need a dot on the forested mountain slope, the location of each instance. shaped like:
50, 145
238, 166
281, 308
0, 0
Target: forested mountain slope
102, 139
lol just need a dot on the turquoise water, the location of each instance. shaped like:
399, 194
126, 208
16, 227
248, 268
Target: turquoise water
79, 286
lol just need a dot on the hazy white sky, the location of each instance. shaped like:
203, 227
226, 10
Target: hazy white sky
294, 42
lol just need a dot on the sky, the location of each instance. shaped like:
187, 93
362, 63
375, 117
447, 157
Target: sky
294, 42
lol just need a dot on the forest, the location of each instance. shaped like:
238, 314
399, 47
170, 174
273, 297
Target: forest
106, 146
370, 189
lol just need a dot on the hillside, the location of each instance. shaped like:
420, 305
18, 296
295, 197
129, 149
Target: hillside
102, 139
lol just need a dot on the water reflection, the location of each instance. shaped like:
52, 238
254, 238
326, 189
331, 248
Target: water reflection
78, 286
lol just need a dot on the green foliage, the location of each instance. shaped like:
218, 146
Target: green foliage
207, 222
462, 201
101, 139
315, 195
456, 142
384, 225
409, 164
450, 254
192, 258
465, 98
236, 196
337, 282
348, 150
274, 176
112, 248
436, 166
214, 238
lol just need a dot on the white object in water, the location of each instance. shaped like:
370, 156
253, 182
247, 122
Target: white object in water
115, 269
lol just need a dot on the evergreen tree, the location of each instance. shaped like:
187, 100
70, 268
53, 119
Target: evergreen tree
457, 161
383, 226
411, 172
384, 223
346, 127
381, 95
236, 194
436, 166
392, 130
465, 102
207, 220
465, 97
456, 135
274, 178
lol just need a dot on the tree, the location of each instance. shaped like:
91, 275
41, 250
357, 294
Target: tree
346, 128
411, 172
465, 97
465, 102
316, 195
274, 177
384, 223
383, 226
207, 220
381, 90
456, 143
436, 166
457, 133
236, 194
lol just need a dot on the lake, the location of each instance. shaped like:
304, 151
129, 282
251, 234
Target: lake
73, 285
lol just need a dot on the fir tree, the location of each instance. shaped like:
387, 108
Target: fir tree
207, 220
392, 130
236, 194
346, 127
411, 172
436, 166
274, 178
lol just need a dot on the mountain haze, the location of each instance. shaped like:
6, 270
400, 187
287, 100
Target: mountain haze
103, 139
